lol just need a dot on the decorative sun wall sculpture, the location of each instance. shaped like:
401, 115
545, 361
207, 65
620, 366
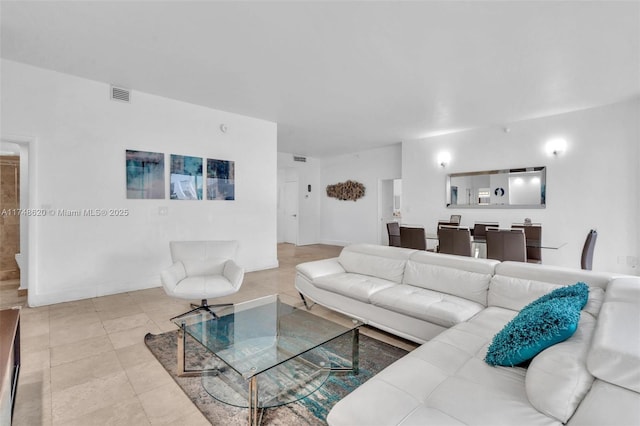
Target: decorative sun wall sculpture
349, 190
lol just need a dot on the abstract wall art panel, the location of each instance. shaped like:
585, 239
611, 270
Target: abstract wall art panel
145, 174
220, 180
186, 177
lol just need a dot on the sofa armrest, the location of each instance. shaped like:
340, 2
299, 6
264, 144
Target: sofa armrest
319, 268
173, 275
234, 273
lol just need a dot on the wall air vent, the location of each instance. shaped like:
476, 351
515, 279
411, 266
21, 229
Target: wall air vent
300, 159
120, 94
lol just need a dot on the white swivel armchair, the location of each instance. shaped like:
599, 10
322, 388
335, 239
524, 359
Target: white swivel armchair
202, 270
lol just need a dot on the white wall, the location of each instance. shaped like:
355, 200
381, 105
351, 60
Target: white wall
594, 184
346, 222
81, 140
308, 173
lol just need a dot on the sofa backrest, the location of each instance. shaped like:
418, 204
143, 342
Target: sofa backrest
462, 276
554, 274
516, 284
375, 260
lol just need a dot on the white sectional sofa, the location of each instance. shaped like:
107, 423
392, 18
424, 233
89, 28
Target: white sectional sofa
455, 306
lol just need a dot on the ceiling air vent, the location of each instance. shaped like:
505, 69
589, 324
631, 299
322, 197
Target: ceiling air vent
300, 159
120, 94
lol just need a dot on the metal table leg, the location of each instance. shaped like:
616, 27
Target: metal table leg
253, 402
181, 370
355, 351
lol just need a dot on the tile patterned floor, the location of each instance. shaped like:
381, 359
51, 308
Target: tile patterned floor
85, 363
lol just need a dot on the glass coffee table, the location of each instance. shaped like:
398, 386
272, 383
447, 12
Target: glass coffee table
267, 353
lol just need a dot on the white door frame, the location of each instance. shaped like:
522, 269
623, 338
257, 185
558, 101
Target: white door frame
28, 223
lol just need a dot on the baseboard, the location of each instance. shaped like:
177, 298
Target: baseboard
264, 267
71, 294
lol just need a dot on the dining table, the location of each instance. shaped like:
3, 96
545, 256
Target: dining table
482, 241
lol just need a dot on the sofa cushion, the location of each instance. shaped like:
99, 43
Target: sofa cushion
377, 261
607, 404
539, 325
445, 382
515, 293
435, 307
385, 403
357, 286
557, 379
450, 280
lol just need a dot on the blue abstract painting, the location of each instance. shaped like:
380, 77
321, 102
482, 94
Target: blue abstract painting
145, 174
186, 177
220, 180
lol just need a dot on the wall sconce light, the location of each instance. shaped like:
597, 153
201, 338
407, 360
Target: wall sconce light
556, 146
444, 158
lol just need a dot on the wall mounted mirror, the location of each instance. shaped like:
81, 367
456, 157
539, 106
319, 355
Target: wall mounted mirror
523, 188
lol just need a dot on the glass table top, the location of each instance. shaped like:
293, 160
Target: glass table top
255, 336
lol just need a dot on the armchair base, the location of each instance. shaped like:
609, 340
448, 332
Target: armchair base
203, 306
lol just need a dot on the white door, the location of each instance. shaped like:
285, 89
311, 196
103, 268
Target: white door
290, 223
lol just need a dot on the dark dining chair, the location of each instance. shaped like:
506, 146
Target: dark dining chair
393, 229
533, 237
480, 229
506, 244
446, 223
413, 238
453, 240
586, 261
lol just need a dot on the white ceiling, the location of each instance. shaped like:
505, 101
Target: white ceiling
340, 77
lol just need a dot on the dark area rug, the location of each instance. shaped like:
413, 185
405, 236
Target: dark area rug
312, 410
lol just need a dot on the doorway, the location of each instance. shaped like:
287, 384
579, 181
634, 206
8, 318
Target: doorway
291, 212
288, 218
389, 206
24, 147
10, 212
